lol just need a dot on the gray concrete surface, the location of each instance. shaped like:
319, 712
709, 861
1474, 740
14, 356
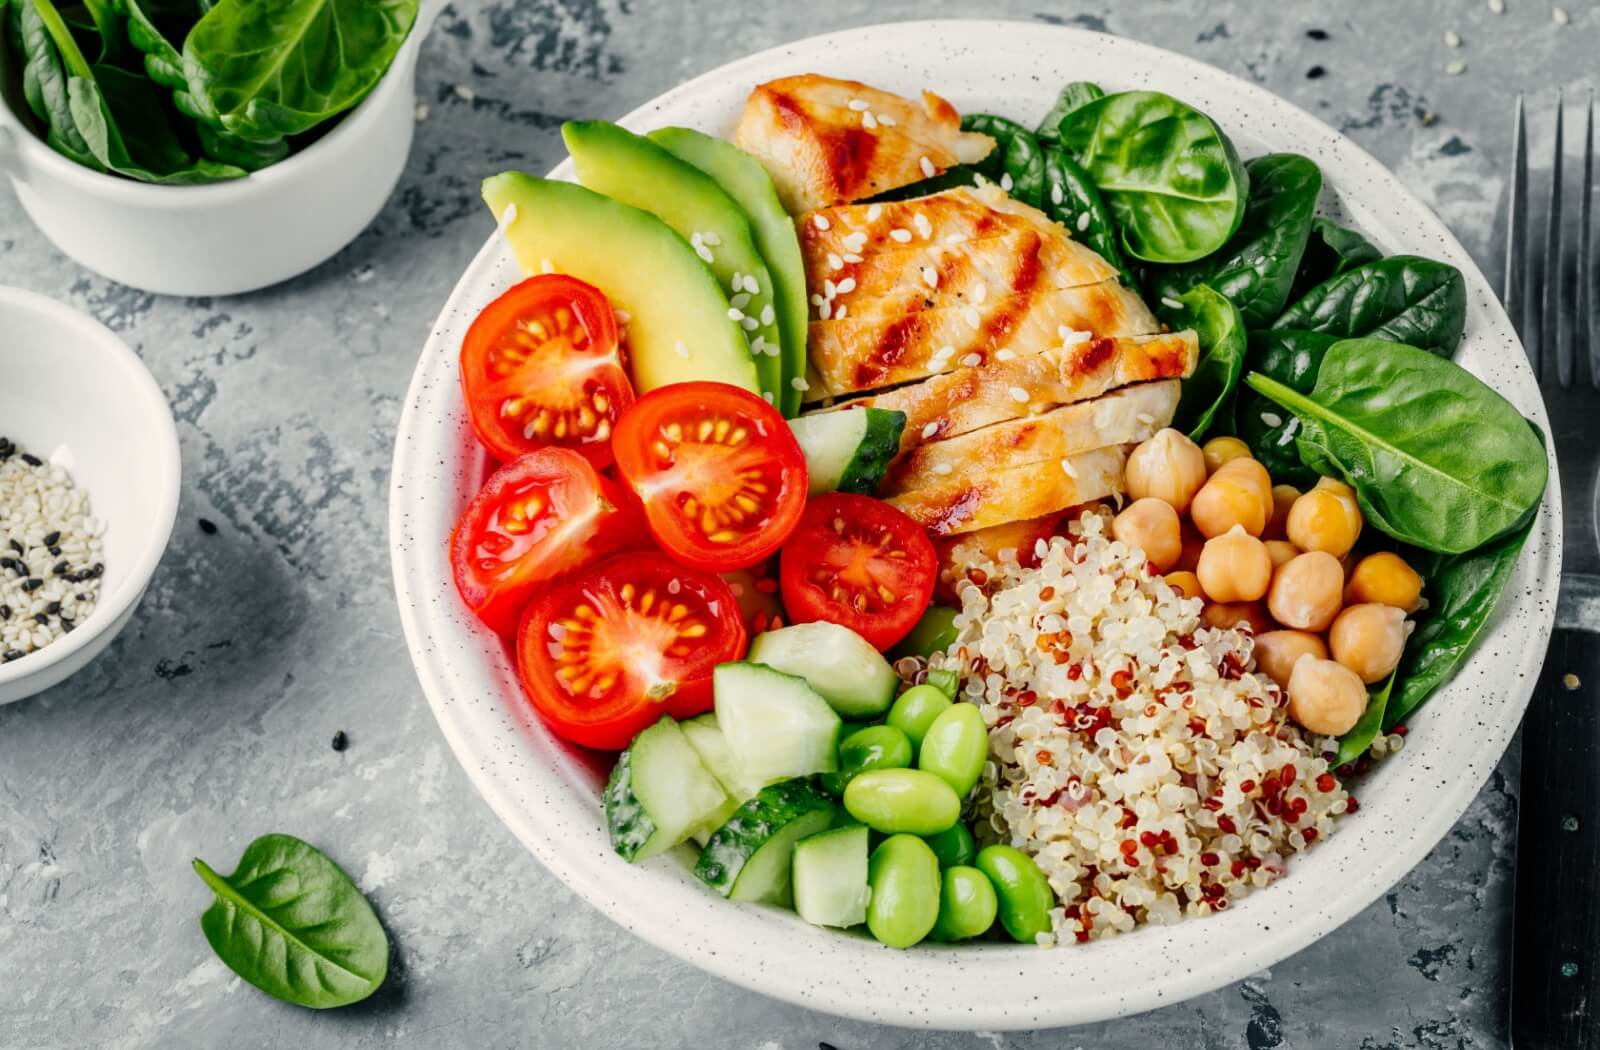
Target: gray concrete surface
209, 722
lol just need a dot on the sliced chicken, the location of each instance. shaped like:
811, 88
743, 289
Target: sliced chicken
868, 353
1130, 414
969, 398
1016, 493
825, 141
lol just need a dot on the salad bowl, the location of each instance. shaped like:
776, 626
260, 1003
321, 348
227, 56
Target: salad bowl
548, 794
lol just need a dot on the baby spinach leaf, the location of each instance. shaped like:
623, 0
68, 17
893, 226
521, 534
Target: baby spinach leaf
1292, 358
1403, 299
1332, 250
1354, 744
272, 68
51, 55
1070, 198
1075, 95
1437, 459
1209, 391
290, 922
1171, 178
1257, 267
120, 117
1462, 593
949, 179
1017, 162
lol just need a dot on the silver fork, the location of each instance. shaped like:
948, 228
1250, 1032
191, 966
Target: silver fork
1550, 295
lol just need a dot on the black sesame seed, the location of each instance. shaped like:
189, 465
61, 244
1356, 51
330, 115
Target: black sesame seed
5, 612
81, 596
68, 624
60, 568
31, 460
14, 654
32, 583
340, 741
51, 539
10, 563
41, 619
53, 608
207, 526
55, 551
17, 546
97, 570
1316, 73
1317, 34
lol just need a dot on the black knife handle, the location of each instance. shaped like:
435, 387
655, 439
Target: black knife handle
1555, 948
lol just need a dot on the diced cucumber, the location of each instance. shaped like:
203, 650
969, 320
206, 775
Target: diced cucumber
750, 857
932, 634
836, 661
848, 450
707, 738
830, 877
776, 726
660, 794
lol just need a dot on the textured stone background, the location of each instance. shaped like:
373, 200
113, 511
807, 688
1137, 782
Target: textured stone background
209, 721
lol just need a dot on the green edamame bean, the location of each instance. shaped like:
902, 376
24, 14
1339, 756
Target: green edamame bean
967, 904
902, 800
916, 709
944, 681
955, 747
904, 875
875, 747
953, 846
1025, 896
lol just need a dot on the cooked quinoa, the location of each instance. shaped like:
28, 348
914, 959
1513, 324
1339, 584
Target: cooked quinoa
1133, 752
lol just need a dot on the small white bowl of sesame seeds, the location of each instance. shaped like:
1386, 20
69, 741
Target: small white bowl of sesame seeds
89, 477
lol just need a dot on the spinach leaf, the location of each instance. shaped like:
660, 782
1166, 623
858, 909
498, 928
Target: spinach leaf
1017, 161
948, 179
290, 922
1209, 391
1404, 299
1172, 179
1332, 250
1437, 459
272, 68
1070, 198
1293, 358
1256, 268
120, 117
50, 54
1074, 95
1354, 744
1462, 593
12, 95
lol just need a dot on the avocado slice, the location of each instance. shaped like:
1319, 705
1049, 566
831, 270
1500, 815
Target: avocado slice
678, 328
743, 178
632, 169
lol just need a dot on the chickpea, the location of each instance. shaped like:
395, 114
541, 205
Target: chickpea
1283, 497
1239, 493
1325, 519
1325, 697
1281, 551
1167, 467
1234, 567
1384, 578
1307, 592
1152, 526
1369, 639
1278, 651
1193, 544
1225, 615
1185, 583
1220, 450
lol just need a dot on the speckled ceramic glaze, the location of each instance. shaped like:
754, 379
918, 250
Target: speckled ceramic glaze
548, 794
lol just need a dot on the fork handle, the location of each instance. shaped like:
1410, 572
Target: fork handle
1555, 952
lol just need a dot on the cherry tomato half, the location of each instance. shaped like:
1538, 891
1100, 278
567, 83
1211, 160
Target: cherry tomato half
720, 474
541, 366
858, 562
609, 650
536, 518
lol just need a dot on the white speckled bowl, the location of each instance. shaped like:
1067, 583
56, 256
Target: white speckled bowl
549, 795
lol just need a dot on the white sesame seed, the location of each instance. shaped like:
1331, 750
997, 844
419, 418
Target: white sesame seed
944, 351
704, 253
740, 301
697, 238
712, 238
1004, 354
834, 262
465, 93
1455, 69
767, 396
858, 105
508, 216
1055, 194
829, 289
1083, 222
799, 383
1452, 38
851, 257
930, 277
752, 285
623, 316
930, 430
749, 324
768, 315
847, 286
839, 314
1019, 395
1560, 16
737, 283
1272, 419
1497, 7
1068, 468
816, 300
924, 227
874, 213
942, 468
1170, 303
1074, 338
1005, 182
683, 351
886, 120
820, 221
825, 311
854, 242
735, 314
868, 121
928, 170
971, 361
758, 345
422, 113
900, 235
973, 317
980, 293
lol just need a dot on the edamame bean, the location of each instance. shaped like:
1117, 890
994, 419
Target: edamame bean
915, 711
953, 846
904, 875
902, 800
875, 747
955, 747
1025, 897
967, 904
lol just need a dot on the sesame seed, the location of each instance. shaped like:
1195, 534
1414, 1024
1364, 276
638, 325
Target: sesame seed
702, 251
1560, 16
800, 384
735, 314
973, 317
886, 120
851, 257
901, 235
1170, 303
465, 93
980, 293
874, 213
868, 121
508, 216
858, 105
928, 170
1455, 69
752, 285
820, 221
847, 286
682, 350
834, 262
1055, 194
942, 468
932, 429
768, 315
816, 300
930, 277
838, 315
1005, 355
924, 227
1083, 222
826, 309
971, 361
1019, 395
1272, 419
855, 241
623, 316
750, 324
740, 301
1452, 38
1067, 468
944, 351
1497, 7
767, 396
712, 238
1005, 182
829, 289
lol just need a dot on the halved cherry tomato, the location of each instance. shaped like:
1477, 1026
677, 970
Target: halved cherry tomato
542, 366
858, 562
536, 518
721, 476
756, 589
609, 650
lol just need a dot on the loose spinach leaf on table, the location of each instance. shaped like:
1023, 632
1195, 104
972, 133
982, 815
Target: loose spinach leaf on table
1209, 391
1437, 459
1075, 95
1171, 178
1256, 268
1070, 198
272, 68
1017, 155
1332, 250
290, 922
1354, 744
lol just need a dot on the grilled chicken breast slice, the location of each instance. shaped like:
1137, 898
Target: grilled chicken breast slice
1130, 414
869, 353
825, 140
968, 504
969, 398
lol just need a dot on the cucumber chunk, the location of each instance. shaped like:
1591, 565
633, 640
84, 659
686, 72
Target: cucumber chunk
837, 662
848, 450
750, 857
776, 726
660, 794
830, 877
708, 739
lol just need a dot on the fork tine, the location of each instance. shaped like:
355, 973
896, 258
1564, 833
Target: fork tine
1517, 235
1588, 327
1550, 323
